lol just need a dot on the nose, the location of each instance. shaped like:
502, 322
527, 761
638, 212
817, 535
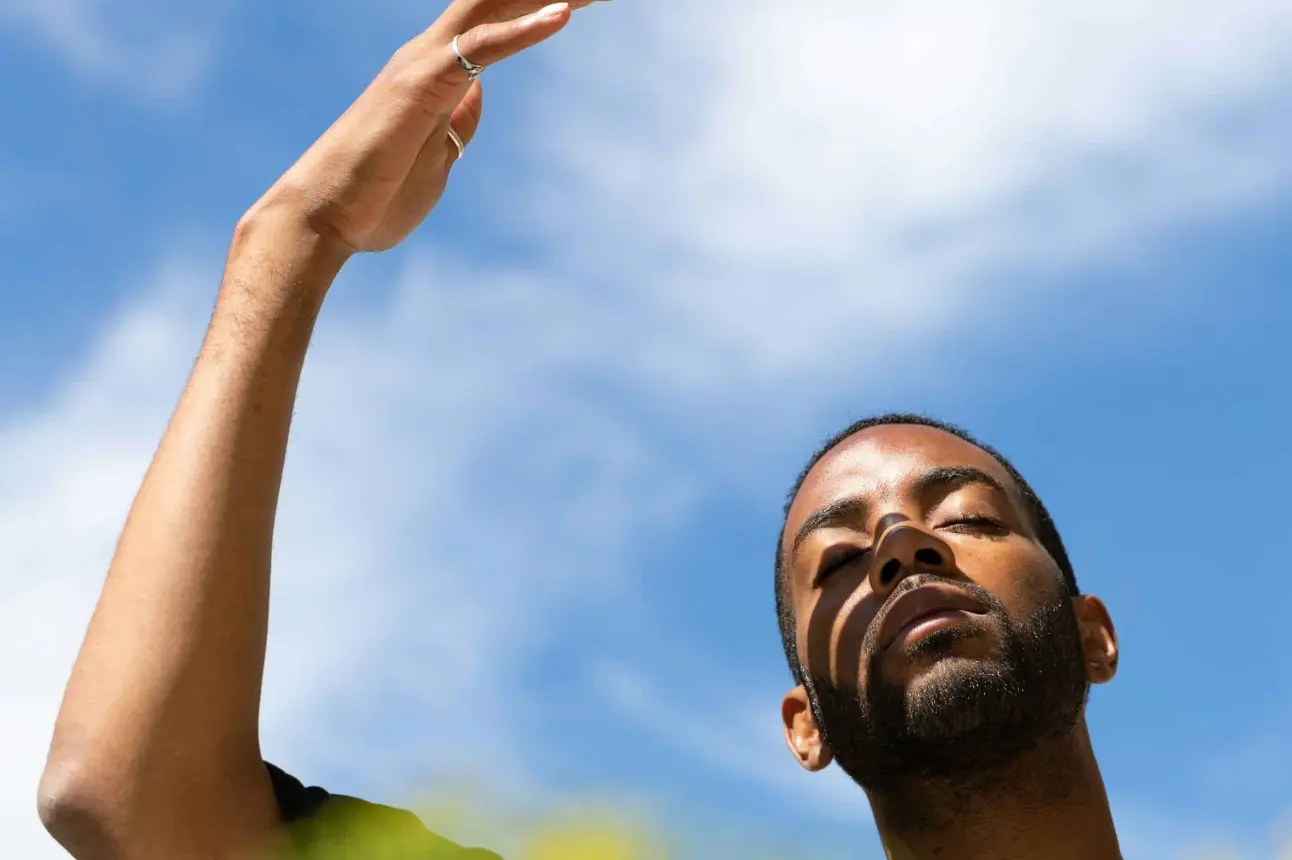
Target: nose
905, 549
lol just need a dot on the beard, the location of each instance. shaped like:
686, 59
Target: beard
965, 721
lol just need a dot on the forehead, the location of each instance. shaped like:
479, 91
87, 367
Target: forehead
881, 461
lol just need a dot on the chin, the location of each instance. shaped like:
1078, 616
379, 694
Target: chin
958, 695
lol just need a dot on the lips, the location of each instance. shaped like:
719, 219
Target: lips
924, 602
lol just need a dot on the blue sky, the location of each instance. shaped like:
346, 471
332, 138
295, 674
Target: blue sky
541, 449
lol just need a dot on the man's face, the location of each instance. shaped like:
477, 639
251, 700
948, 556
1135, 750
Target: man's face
935, 629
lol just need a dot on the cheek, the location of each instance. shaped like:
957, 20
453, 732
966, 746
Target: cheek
1020, 574
836, 623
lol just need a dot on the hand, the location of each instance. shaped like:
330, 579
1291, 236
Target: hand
373, 177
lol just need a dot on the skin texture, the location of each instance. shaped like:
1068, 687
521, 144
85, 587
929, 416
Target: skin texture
156, 752
970, 739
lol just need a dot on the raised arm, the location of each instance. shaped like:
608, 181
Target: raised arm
156, 752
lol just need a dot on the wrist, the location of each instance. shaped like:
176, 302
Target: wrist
280, 243
275, 280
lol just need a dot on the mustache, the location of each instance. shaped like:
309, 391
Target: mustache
857, 644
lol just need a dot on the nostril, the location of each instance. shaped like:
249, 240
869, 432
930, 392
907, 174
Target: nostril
890, 570
931, 557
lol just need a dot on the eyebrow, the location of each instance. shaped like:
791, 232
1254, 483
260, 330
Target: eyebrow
949, 478
838, 513
845, 512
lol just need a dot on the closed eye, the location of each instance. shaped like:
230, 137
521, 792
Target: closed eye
976, 526
833, 562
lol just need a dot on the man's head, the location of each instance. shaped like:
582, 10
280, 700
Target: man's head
928, 609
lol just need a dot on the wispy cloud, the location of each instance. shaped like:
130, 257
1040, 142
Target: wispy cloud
741, 737
149, 49
1151, 834
448, 463
738, 168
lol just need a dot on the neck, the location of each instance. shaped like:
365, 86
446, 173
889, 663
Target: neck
1051, 804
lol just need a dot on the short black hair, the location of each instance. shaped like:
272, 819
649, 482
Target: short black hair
1046, 531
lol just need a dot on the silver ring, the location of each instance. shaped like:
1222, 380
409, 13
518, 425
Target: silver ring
456, 140
473, 71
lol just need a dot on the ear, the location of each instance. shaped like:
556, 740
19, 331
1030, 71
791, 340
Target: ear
802, 734
1098, 638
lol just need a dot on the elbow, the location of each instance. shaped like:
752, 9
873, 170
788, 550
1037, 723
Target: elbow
76, 811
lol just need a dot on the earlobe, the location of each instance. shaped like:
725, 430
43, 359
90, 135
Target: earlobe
802, 734
1098, 638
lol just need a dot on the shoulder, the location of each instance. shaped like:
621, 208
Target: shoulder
323, 826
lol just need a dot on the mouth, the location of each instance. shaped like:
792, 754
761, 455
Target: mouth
923, 610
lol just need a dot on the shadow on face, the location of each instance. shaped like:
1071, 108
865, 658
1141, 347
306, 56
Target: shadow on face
940, 634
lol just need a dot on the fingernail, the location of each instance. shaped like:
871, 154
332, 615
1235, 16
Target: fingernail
549, 12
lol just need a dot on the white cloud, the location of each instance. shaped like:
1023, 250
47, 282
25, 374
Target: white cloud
742, 737
152, 49
769, 180
1151, 834
443, 419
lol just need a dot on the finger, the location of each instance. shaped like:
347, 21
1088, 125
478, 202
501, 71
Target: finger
465, 121
463, 15
466, 116
431, 76
486, 44
437, 154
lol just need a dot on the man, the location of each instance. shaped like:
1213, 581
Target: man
941, 648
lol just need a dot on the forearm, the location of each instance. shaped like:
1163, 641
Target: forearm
162, 708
